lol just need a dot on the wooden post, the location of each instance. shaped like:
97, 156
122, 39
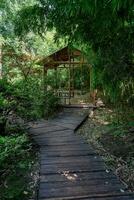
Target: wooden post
69, 52
81, 65
44, 78
45, 88
90, 79
73, 85
93, 92
55, 73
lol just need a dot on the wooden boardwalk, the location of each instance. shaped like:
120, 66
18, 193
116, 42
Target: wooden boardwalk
69, 168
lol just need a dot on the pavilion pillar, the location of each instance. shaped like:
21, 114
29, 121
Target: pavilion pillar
44, 79
69, 84
69, 55
45, 90
91, 79
56, 84
73, 92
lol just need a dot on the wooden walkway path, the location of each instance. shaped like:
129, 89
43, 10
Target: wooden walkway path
69, 168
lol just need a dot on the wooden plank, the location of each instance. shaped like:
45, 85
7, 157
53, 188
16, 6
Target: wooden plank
47, 130
69, 118
69, 126
72, 124
82, 121
49, 153
79, 191
57, 142
95, 197
71, 167
80, 147
40, 126
66, 120
74, 183
48, 140
61, 133
75, 159
78, 176
67, 149
36, 126
126, 197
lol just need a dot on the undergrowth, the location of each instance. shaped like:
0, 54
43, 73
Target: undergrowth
16, 164
112, 135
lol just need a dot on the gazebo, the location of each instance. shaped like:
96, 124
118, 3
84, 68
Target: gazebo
67, 57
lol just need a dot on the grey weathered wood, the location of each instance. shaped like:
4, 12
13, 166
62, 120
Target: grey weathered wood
103, 175
75, 159
97, 183
67, 147
79, 190
43, 130
59, 140
69, 168
96, 197
51, 153
60, 133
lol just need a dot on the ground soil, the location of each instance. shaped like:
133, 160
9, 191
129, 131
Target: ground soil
115, 142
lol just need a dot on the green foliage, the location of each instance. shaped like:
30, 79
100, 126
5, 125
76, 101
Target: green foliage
50, 103
15, 149
82, 77
29, 96
104, 26
26, 97
7, 103
11, 150
15, 164
33, 102
60, 79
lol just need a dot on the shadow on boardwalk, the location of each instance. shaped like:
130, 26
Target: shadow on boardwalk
69, 167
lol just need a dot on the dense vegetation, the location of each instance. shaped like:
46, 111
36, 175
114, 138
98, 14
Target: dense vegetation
104, 27
21, 100
30, 29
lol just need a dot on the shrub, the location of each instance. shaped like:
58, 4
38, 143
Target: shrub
50, 104
7, 103
15, 163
